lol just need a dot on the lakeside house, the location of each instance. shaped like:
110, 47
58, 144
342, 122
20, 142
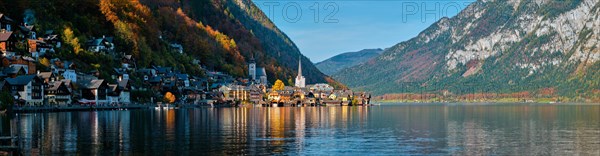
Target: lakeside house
113, 94
58, 93
94, 92
125, 92
47, 77
28, 89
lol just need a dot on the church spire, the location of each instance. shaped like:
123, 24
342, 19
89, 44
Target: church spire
300, 66
252, 59
300, 81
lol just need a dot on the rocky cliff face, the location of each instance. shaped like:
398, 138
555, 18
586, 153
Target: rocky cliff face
494, 46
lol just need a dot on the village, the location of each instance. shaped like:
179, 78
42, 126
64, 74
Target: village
38, 81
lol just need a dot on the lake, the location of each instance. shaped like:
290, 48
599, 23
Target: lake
438, 129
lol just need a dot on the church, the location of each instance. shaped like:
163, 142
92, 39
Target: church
300, 81
258, 75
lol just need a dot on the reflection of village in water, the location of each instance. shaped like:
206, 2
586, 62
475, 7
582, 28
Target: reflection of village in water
468, 129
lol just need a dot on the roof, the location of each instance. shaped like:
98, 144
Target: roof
26, 28
93, 84
49, 32
261, 72
51, 37
155, 79
175, 45
45, 75
98, 41
95, 42
21, 80
169, 84
113, 87
4, 36
123, 83
66, 82
12, 69
119, 71
27, 58
162, 69
170, 75
182, 76
5, 17
109, 39
127, 57
54, 85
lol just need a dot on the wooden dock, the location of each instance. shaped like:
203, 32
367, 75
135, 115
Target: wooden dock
11, 145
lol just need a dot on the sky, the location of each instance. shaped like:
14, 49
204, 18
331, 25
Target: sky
324, 28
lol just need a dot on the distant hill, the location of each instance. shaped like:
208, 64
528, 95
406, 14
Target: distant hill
345, 60
494, 46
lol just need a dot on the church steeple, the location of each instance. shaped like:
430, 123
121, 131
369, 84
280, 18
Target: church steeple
300, 81
300, 66
252, 68
252, 59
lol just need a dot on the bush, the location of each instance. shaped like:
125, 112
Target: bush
6, 101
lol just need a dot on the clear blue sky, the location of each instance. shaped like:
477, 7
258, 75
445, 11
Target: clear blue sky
352, 25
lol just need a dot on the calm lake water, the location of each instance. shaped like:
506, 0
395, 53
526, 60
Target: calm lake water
440, 129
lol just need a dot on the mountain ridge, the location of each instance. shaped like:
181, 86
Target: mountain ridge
333, 64
493, 46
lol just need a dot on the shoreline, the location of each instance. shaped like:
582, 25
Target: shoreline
485, 102
374, 103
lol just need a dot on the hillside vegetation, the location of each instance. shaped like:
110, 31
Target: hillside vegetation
221, 34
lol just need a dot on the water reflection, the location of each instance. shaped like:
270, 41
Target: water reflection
389, 129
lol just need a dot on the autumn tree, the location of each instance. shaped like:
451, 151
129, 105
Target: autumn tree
278, 85
44, 61
169, 97
71, 40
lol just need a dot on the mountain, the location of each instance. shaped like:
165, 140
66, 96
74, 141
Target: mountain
345, 60
222, 34
494, 46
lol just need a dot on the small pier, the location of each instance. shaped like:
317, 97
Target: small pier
10, 144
